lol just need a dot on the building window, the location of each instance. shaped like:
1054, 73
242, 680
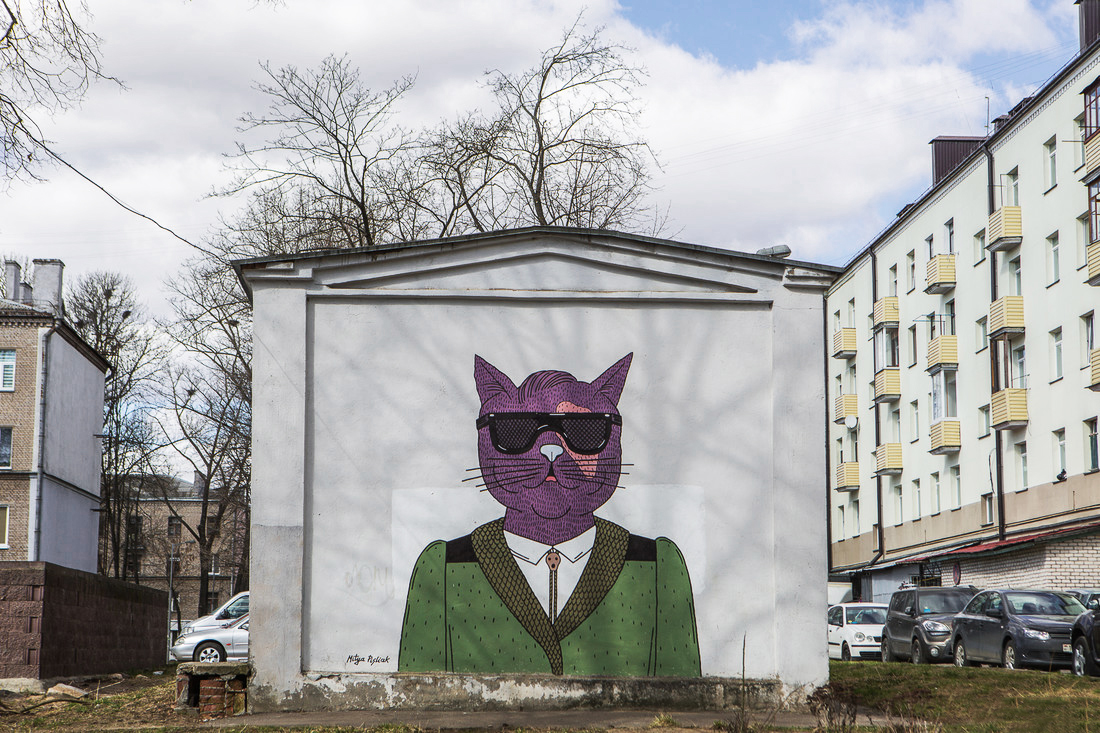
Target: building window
1056, 354
983, 421
1082, 241
1094, 211
982, 331
911, 271
1050, 153
134, 556
7, 370
1011, 191
213, 600
1092, 449
852, 313
215, 564
3, 527
949, 235
1054, 267
886, 348
1015, 277
1021, 465
899, 507
935, 493
979, 247
956, 487
1092, 110
914, 420
840, 530
987, 509
174, 528
1060, 453
1079, 142
5, 447
944, 395
916, 499
893, 284
1019, 367
1088, 342
930, 245
912, 346
172, 566
855, 517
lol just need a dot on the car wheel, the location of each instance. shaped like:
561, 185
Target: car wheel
917, 655
1082, 661
845, 653
209, 652
886, 655
960, 655
1008, 655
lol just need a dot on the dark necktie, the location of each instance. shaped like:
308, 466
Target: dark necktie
553, 559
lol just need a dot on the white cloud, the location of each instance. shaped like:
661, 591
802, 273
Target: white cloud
810, 151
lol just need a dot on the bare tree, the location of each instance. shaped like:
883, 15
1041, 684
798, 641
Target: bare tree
106, 313
333, 136
48, 60
562, 148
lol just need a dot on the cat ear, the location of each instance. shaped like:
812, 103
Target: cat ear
491, 381
610, 384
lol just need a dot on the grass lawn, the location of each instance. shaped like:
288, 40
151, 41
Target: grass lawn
974, 700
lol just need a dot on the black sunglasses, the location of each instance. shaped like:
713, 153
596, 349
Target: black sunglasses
516, 432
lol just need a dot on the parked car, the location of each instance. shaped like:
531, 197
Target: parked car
214, 645
233, 609
1085, 638
1089, 597
1016, 628
918, 623
855, 630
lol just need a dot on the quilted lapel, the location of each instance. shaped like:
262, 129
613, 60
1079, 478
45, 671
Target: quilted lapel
507, 580
600, 573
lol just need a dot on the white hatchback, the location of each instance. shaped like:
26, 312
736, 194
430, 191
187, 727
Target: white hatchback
855, 630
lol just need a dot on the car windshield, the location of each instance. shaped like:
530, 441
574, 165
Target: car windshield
942, 602
1044, 604
865, 616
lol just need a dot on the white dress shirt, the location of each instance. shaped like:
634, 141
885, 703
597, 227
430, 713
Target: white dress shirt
530, 556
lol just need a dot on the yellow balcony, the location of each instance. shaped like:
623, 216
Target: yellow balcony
1006, 316
1009, 408
847, 477
1094, 263
888, 385
943, 353
1092, 154
844, 343
888, 459
845, 406
886, 311
945, 436
940, 275
1094, 370
1005, 229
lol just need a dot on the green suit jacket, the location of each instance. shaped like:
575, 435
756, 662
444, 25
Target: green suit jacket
469, 609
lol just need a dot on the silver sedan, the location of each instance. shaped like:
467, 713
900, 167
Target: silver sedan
229, 643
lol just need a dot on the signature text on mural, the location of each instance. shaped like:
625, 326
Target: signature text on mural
369, 659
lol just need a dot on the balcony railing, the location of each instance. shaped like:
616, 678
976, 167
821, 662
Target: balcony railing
1092, 154
888, 459
1094, 370
1009, 409
847, 477
1006, 316
844, 343
945, 436
1094, 263
943, 353
845, 406
886, 311
1005, 229
888, 385
940, 276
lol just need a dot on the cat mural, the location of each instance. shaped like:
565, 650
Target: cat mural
549, 587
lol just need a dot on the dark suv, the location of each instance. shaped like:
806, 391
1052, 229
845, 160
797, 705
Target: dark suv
918, 623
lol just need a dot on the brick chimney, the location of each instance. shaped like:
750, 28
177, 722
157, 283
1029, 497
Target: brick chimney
13, 278
1088, 22
47, 286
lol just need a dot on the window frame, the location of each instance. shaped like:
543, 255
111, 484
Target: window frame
5, 514
7, 446
7, 370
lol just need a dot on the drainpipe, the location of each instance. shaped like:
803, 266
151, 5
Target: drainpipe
878, 479
36, 503
996, 346
828, 471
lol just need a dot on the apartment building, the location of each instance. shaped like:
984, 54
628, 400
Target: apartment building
964, 374
51, 411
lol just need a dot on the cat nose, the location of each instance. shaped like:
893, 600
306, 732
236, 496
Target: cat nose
551, 451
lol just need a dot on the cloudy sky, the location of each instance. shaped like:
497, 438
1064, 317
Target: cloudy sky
797, 122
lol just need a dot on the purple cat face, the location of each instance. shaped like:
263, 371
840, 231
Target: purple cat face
549, 450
